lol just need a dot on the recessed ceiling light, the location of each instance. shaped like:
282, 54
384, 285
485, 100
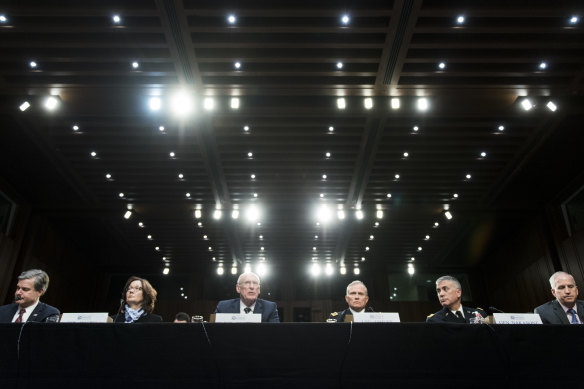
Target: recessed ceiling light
359, 214
526, 104
246, 128
250, 154
161, 128
237, 65
468, 176
209, 103
345, 19
121, 194
253, 176
368, 103
574, 19
397, 176
395, 103
135, 65
93, 154
141, 225
328, 155
155, 103
331, 129
483, 154
75, 127
455, 195
422, 104
51, 103
442, 65
420, 248
388, 195
255, 195
116, 19
427, 237
180, 176
324, 176
339, 65
171, 154
321, 195
234, 103
341, 103
231, 19
501, 128
460, 19
33, 64
108, 176
3, 19
415, 128
406, 154
551, 106
24, 106
127, 215
367, 248
543, 65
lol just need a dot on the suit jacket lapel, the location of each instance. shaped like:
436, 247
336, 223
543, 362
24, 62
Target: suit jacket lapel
559, 311
34, 315
259, 307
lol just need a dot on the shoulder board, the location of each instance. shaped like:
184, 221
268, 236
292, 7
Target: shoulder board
480, 308
335, 314
430, 315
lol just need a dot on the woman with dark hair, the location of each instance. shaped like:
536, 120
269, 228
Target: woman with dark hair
139, 298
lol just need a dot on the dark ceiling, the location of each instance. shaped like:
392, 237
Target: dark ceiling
288, 84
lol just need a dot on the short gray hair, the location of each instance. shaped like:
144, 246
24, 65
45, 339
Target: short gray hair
449, 278
357, 282
558, 274
248, 273
41, 278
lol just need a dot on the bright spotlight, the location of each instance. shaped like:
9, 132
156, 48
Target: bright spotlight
411, 270
217, 214
252, 213
340, 214
341, 104
220, 270
261, 269
51, 103
343, 270
422, 104
356, 271
234, 270
551, 106
127, 215
247, 268
448, 215
198, 213
24, 106
166, 270
209, 103
154, 103
359, 214
368, 103
235, 214
328, 269
323, 214
395, 103
315, 269
379, 214
235, 103
526, 104
182, 103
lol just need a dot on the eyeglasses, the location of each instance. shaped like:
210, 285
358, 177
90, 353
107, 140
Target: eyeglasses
250, 283
134, 288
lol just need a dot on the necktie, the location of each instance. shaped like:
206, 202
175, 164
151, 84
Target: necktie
459, 315
19, 318
574, 318
247, 309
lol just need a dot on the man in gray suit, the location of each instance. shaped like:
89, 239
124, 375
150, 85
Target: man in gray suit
248, 287
565, 309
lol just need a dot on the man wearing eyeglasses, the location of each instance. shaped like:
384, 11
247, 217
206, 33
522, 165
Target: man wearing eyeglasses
248, 287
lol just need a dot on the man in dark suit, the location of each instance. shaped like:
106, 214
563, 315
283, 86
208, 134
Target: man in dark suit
449, 294
565, 309
32, 284
248, 287
357, 298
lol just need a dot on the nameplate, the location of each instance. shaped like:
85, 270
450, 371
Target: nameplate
516, 318
377, 317
238, 318
85, 317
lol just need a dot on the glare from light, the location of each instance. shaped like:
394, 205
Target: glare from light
343, 270
198, 214
234, 270
411, 270
235, 103
247, 268
252, 213
166, 270
422, 104
51, 103
397, 176
161, 128
127, 215
171, 154
188, 195
356, 271
468, 176
235, 214
341, 214
368, 103
455, 195
327, 154
324, 214
543, 65
341, 104
3, 19
24, 106
339, 65
388, 195
551, 106
155, 103
345, 19
181, 103
217, 214
406, 154
315, 269
261, 269
116, 19
574, 19
250, 154
448, 215
501, 128
324, 176
255, 195
328, 269
395, 103
237, 65
75, 127
483, 154
246, 128
135, 65
379, 214
93, 154
322, 195
220, 270
415, 128
460, 19
209, 103
231, 19
331, 129
359, 214
33, 64
442, 65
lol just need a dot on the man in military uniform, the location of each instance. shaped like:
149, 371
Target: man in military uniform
449, 294
357, 299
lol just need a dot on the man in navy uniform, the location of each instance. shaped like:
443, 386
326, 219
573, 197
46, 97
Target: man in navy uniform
248, 287
565, 309
449, 294
357, 298
32, 284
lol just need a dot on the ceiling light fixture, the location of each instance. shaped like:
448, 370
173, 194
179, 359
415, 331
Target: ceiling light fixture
51, 103
359, 214
574, 19
209, 103
198, 214
368, 103
339, 65
116, 19
543, 65
460, 19
217, 214
526, 104
127, 215
395, 103
551, 106
24, 106
379, 214
231, 19
442, 65
234, 103
33, 64
422, 104
345, 19
341, 103
135, 65
237, 65
155, 104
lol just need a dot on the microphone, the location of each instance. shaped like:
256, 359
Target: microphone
493, 309
18, 298
118, 311
369, 309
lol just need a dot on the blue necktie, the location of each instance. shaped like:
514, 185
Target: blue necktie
574, 318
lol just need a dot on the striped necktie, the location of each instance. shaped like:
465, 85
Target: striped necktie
19, 318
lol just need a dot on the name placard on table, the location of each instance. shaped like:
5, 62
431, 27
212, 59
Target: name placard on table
374, 317
85, 317
238, 318
516, 318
